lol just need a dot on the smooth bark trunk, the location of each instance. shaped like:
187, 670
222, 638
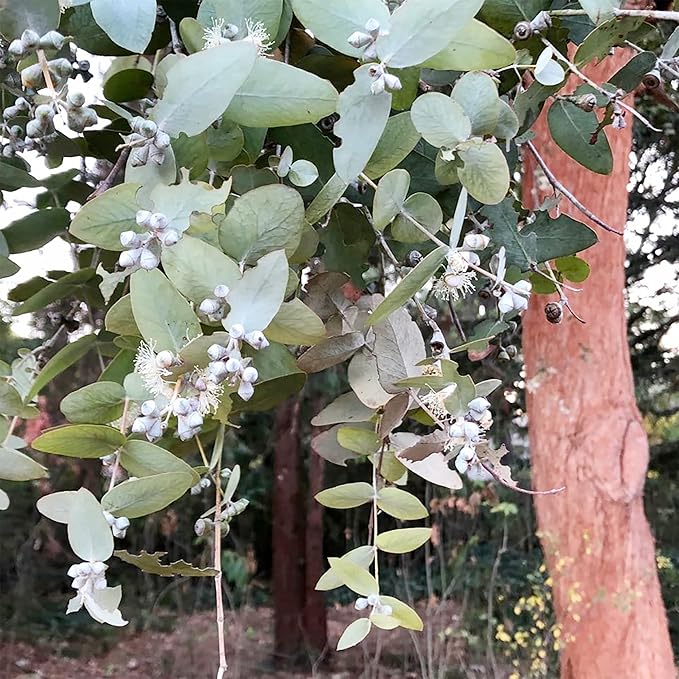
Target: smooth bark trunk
586, 433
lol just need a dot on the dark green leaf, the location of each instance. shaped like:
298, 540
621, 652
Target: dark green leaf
36, 229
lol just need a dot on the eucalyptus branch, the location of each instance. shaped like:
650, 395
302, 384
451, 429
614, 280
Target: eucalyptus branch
122, 429
611, 96
662, 15
218, 557
110, 178
562, 189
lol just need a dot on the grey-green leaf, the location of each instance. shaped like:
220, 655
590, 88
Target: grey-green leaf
141, 496
389, 197
440, 120
80, 440
363, 117
265, 219
89, 534
485, 173
129, 24
16, 466
161, 313
97, 403
572, 130
200, 88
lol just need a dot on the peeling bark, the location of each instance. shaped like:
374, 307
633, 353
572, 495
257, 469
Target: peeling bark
586, 433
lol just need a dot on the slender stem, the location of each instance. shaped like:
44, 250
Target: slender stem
490, 653
562, 189
174, 35
108, 181
374, 521
609, 95
123, 427
562, 297
12, 424
218, 566
46, 71
643, 13
202, 452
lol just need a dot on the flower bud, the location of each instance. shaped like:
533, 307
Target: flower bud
148, 128
156, 155
472, 432
475, 241
142, 217
200, 525
165, 359
378, 85
139, 426
149, 409
30, 40
155, 430
139, 156
97, 568
257, 340
372, 26
392, 82
22, 104
16, 49
479, 404
181, 407
221, 291
32, 76
359, 39
52, 40
233, 365
461, 464
384, 609
158, 221
237, 331
148, 259
361, 604
413, 258
468, 453
210, 306
129, 239
170, 238
216, 351
61, 68
129, 258
34, 130
554, 312
44, 113
246, 390
373, 600
161, 140
205, 482
249, 374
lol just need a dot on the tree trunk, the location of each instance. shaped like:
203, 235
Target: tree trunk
288, 536
314, 619
586, 433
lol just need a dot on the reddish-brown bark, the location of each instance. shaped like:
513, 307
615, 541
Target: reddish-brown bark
586, 433
288, 535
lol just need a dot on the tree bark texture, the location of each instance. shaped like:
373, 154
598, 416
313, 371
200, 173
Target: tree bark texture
586, 433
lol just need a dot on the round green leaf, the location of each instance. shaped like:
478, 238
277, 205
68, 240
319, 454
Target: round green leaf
485, 173
400, 504
354, 633
424, 209
346, 496
354, 577
142, 458
98, 403
440, 120
101, 220
389, 197
15, 466
11, 403
138, 497
161, 313
128, 24
403, 540
398, 139
196, 268
572, 130
57, 506
295, 323
477, 94
476, 48
361, 556
80, 440
89, 534
265, 219
573, 268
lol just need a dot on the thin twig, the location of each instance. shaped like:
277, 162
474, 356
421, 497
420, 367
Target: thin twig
44, 66
12, 424
177, 44
643, 13
218, 566
123, 427
562, 189
526, 491
202, 452
490, 652
109, 180
612, 97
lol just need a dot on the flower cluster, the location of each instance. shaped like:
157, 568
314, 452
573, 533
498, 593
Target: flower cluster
144, 249
372, 600
367, 39
150, 421
215, 307
101, 601
227, 364
382, 80
79, 116
457, 281
469, 432
147, 142
511, 297
119, 524
221, 32
229, 512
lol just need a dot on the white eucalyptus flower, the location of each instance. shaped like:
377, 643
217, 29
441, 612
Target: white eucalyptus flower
100, 601
152, 374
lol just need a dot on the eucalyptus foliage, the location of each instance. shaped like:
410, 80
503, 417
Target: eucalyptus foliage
289, 186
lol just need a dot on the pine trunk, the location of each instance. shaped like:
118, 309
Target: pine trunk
586, 433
